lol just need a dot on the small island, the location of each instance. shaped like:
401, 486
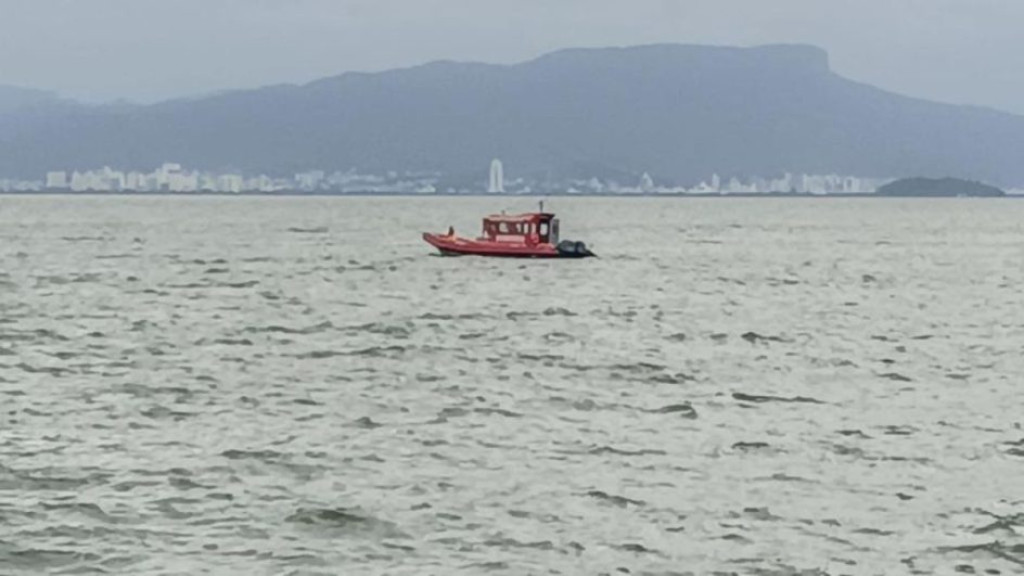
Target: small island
938, 188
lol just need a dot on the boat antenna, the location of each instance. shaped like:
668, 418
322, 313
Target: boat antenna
541, 206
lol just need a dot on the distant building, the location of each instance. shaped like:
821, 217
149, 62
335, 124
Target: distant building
646, 183
497, 185
309, 181
232, 183
8, 185
57, 180
134, 182
171, 177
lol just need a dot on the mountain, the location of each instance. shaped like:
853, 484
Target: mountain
23, 110
677, 112
14, 99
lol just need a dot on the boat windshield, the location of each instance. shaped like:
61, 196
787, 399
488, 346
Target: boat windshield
513, 228
507, 228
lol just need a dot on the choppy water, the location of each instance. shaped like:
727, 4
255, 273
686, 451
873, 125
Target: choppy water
296, 386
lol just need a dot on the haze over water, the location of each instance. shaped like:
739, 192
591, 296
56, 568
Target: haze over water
298, 386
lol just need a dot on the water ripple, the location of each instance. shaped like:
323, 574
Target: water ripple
746, 387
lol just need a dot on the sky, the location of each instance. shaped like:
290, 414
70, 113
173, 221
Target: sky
957, 51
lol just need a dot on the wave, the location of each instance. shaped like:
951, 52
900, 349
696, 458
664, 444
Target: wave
345, 521
305, 331
757, 399
620, 501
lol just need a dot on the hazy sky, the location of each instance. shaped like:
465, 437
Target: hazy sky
962, 51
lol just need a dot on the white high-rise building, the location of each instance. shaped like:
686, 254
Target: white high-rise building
135, 182
230, 183
82, 181
646, 183
183, 181
497, 185
166, 174
309, 181
57, 180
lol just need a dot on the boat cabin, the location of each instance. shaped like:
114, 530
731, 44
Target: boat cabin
533, 228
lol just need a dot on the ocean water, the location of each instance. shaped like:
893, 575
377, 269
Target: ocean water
298, 386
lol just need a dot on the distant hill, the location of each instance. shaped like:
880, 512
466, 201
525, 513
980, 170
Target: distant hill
938, 187
22, 112
677, 112
14, 99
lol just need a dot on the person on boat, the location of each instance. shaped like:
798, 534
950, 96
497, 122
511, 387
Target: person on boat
451, 231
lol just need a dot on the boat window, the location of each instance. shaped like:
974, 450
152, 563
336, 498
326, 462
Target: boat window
513, 228
543, 228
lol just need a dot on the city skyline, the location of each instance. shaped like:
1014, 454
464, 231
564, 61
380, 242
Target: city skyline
555, 118
174, 178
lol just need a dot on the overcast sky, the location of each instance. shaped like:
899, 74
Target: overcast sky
961, 51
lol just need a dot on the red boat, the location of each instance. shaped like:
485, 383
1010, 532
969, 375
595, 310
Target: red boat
532, 235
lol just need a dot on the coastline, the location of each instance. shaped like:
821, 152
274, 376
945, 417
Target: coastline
331, 194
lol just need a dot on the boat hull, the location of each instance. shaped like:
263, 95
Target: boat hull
455, 246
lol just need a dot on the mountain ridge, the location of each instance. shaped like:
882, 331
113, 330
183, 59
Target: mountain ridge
678, 112
15, 98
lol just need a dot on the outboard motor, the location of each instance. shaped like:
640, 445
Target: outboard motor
570, 249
